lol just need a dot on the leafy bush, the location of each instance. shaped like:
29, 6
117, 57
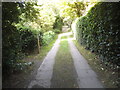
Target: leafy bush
47, 37
57, 31
98, 31
18, 37
10, 39
15, 42
28, 40
58, 23
21, 65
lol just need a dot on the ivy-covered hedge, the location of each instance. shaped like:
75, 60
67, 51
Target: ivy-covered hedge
99, 31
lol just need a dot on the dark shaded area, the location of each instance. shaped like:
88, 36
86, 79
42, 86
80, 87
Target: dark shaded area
16, 42
10, 14
58, 24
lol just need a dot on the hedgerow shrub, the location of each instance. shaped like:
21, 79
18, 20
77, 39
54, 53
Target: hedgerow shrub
58, 23
98, 31
16, 44
47, 37
18, 38
57, 31
28, 39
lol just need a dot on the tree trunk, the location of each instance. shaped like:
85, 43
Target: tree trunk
38, 43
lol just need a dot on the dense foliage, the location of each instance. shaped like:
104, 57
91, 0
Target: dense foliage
70, 10
21, 32
73, 9
47, 37
58, 23
10, 39
99, 31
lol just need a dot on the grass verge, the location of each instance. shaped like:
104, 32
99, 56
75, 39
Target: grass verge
108, 77
64, 72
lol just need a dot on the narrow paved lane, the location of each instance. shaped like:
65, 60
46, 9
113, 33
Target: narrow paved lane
77, 71
87, 78
45, 71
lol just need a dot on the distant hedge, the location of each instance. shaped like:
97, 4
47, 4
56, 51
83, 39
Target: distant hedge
99, 31
58, 23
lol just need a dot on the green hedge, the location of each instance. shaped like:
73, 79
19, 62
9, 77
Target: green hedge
58, 23
98, 31
16, 44
47, 37
28, 40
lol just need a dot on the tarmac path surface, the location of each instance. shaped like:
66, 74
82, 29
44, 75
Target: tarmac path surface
86, 77
44, 74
